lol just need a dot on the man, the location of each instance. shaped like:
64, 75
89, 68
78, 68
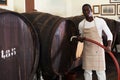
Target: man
93, 57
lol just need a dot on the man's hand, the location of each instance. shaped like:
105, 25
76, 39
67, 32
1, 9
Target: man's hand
109, 45
81, 39
108, 48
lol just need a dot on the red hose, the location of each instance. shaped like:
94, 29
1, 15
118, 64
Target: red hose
110, 53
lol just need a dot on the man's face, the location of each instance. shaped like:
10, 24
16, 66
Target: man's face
87, 11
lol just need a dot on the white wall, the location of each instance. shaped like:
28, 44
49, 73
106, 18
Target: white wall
57, 7
19, 6
9, 6
66, 8
14, 5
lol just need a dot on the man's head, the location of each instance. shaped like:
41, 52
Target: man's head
87, 10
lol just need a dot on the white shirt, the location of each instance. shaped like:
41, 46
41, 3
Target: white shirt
100, 25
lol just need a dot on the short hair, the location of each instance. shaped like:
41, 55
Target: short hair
86, 5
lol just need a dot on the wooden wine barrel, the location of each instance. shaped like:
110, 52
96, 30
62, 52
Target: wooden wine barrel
4, 10
19, 47
57, 51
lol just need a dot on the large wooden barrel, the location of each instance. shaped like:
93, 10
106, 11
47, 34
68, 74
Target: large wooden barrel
19, 47
3, 10
57, 51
